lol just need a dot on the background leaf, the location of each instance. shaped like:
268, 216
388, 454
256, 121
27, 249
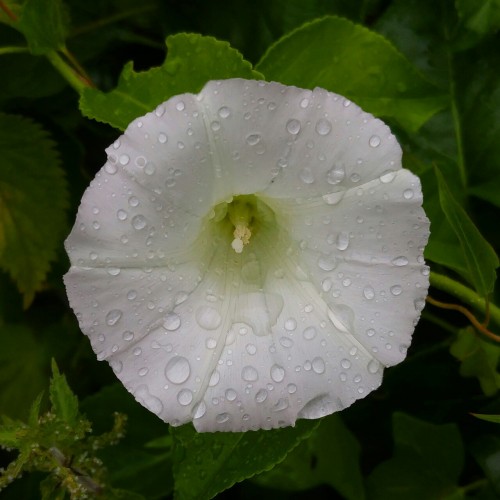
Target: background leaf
482, 17
64, 402
427, 462
349, 59
32, 217
192, 60
480, 257
206, 464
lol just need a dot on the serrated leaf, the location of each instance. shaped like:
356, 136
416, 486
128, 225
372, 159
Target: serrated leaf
427, 462
64, 402
329, 456
33, 196
22, 370
206, 464
35, 411
44, 24
480, 257
479, 359
481, 16
192, 60
353, 61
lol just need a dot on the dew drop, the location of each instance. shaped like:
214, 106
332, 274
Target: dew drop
277, 373
185, 397
162, 138
139, 222
224, 112
400, 261
143, 372
327, 262
346, 364
290, 324
318, 365
180, 106
306, 175
121, 215
396, 290
369, 292
133, 201
199, 410
291, 388
124, 159
323, 126
408, 194
374, 141
373, 366
222, 418
286, 342
110, 168
178, 370
309, 333
113, 271
293, 126
335, 176
132, 295
230, 395
128, 335
253, 139
113, 317
261, 396
171, 322
387, 176
342, 241
208, 317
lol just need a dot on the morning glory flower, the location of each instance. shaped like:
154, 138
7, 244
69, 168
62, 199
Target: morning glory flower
250, 255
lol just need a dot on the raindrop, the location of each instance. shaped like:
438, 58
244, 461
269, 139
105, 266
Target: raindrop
231, 395
208, 317
124, 159
309, 333
180, 106
373, 366
110, 168
304, 103
215, 125
171, 322
374, 141
346, 364
139, 222
249, 374
369, 292
396, 290
132, 295
133, 201
335, 176
121, 214
224, 112
306, 175
199, 410
400, 261
323, 126
387, 176
185, 397
162, 138
408, 194
261, 396
286, 342
178, 370
318, 365
251, 349
291, 388
143, 372
290, 324
370, 332
113, 271
128, 335
113, 317
253, 139
293, 126
222, 418
342, 240
277, 373
281, 404
327, 262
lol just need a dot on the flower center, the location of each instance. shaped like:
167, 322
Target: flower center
240, 215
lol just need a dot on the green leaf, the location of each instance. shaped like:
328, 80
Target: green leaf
33, 197
192, 61
427, 462
481, 16
44, 24
22, 369
349, 59
64, 402
486, 451
207, 463
488, 418
480, 257
479, 359
329, 456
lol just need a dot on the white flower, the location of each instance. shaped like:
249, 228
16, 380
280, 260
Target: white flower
250, 255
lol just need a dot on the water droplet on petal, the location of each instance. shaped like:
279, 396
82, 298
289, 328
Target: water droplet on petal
408, 194
261, 396
277, 373
139, 222
309, 333
128, 335
222, 418
373, 366
224, 112
400, 261
293, 126
253, 139
286, 342
306, 175
162, 138
369, 292
124, 159
185, 397
249, 374
199, 410
374, 141
323, 126
171, 322
180, 106
318, 365
342, 241
396, 290
208, 317
178, 370
327, 262
113, 317
335, 176
230, 394
290, 324
121, 214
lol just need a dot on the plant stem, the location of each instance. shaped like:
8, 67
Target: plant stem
465, 295
12, 50
75, 80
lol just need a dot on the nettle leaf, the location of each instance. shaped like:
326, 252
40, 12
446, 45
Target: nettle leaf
192, 60
329, 456
33, 196
64, 402
206, 464
480, 257
478, 358
427, 462
44, 23
22, 369
480, 16
349, 59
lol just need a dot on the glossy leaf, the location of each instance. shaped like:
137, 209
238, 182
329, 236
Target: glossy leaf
192, 60
480, 257
33, 197
208, 463
427, 462
351, 60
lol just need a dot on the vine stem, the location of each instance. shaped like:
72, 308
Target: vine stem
465, 295
78, 82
